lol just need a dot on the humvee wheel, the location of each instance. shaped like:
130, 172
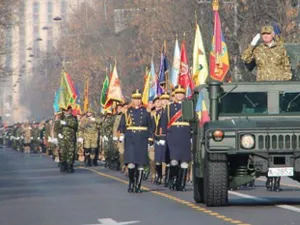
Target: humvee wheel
216, 180
198, 189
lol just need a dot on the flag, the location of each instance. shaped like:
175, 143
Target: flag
146, 91
86, 95
201, 109
200, 68
77, 108
104, 91
219, 60
67, 95
163, 69
175, 66
153, 83
114, 92
184, 75
55, 102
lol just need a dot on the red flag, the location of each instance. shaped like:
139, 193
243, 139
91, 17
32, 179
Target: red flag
184, 67
219, 60
185, 79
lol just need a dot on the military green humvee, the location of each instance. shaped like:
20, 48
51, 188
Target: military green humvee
254, 131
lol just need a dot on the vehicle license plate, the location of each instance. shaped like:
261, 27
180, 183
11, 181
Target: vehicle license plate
281, 172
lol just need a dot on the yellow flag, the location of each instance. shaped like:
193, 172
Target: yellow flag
86, 95
200, 68
145, 98
114, 90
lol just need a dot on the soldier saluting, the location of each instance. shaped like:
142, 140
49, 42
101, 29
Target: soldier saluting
136, 129
178, 139
270, 57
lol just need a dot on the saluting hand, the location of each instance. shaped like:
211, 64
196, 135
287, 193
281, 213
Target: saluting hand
255, 40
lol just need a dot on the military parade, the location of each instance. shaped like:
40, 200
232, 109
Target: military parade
191, 144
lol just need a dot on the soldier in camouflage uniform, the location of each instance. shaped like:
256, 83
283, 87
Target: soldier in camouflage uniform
36, 141
272, 64
79, 145
48, 125
56, 129
67, 139
27, 137
18, 137
89, 126
270, 57
110, 148
116, 135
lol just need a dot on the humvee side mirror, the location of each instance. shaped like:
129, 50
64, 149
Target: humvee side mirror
188, 112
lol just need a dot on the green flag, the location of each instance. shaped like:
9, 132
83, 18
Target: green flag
104, 91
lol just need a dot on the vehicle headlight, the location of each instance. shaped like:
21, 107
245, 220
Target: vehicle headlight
247, 141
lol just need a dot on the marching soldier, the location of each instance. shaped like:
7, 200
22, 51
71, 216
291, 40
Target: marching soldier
270, 57
116, 135
178, 139
90, 127
165, 100
135, 128
67, 139
27, 137
36, 141
160, 152
79, 146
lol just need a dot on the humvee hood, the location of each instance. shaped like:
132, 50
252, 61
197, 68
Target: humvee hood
255, 123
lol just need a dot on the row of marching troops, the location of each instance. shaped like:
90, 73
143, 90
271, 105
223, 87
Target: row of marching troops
24, 137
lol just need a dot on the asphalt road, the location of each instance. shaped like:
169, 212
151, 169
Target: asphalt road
34, 192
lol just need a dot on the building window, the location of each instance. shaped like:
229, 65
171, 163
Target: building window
50, 9
36, 7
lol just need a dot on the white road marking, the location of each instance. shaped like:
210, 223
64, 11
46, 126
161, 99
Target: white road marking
109, 221
264, 200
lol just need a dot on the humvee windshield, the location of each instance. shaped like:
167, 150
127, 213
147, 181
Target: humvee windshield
289, 102
244, 102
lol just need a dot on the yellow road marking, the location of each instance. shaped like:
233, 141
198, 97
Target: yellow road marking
176, 199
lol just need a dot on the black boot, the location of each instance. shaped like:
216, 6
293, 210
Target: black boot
131, 180
173, 177
87, 159
269, 183
63, 166
178, 179
167, 175
146, 175
182, 179
277, 184
94, 160
138, 184
70, 168
158, 174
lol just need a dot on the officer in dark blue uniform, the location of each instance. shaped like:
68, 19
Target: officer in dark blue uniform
136, 129
178, 140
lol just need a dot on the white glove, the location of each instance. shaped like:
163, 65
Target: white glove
121, 138
157, 142
191, 140
60, 136
115, 138
22, 137
255, 40
55, 141
162, 142
50, 140
38, 138
80, 140
31, 138
93, 119
63, 122
18, 138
